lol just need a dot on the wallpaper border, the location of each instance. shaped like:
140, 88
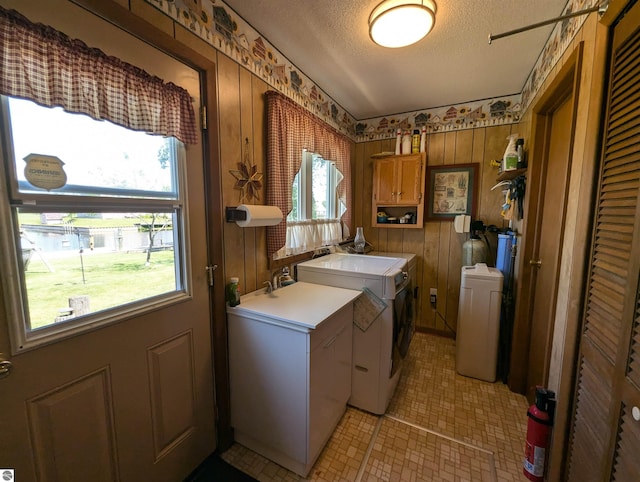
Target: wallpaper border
220, 26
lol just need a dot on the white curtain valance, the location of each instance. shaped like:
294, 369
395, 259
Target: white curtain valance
306, 235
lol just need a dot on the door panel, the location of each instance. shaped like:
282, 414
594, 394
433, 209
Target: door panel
133, 400
409, 180
550, 244
55, 440
385, 177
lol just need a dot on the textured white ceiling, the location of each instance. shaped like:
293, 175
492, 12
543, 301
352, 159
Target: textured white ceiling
329, 41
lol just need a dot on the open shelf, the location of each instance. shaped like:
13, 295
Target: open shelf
509, 175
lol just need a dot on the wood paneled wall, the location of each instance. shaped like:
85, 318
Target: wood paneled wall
241, 115
437, 246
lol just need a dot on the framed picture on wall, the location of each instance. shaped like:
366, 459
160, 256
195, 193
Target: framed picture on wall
451, 190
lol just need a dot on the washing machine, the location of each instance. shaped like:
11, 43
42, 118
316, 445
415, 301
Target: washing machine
377, 358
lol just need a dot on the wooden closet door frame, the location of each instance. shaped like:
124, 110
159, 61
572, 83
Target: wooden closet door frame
583, 183
565, 86
609, 20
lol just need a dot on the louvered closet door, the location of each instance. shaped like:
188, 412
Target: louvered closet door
605, 438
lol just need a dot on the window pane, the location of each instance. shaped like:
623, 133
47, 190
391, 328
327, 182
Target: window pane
316, 182
78, 263
294, 215
320, 188
100, 158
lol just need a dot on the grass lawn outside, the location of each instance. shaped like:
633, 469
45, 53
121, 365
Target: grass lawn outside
110, 279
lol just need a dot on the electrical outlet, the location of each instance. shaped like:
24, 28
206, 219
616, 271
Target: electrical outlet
433, 295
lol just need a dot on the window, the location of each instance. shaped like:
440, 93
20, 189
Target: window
290, 130
314, 220
98, 217
314, 190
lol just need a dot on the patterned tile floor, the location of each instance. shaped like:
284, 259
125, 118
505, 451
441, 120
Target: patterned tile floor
440, 426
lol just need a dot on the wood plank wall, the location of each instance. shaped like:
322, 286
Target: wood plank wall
241, 115
437, 246
439, 249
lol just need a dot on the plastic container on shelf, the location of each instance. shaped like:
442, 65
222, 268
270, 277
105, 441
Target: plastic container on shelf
406, 143
415, 141
522, 163
510, 159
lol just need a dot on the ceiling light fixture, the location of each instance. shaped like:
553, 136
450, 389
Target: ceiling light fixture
398, 23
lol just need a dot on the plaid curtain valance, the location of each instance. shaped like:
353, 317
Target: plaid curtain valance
290, 129
44, 65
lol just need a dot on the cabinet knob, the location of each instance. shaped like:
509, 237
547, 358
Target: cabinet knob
635, 413
535, 262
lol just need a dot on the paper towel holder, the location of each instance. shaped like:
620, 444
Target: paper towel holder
253, 215
233, 214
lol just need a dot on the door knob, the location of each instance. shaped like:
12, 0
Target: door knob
535, 262
5, 368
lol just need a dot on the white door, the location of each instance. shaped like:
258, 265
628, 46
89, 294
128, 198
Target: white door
130, 395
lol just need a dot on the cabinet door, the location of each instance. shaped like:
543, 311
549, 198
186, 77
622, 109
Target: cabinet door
384, 181
330, 379
409, 190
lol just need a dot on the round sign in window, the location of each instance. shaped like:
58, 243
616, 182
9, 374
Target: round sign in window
44, 171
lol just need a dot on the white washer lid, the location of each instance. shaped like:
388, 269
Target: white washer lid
410, 257
340, 263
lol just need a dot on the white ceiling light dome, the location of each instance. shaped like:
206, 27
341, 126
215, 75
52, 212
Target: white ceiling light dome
398, 23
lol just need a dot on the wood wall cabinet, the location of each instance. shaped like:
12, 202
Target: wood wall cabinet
398, 188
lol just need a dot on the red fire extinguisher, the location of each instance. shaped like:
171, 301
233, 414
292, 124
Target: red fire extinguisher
539, 425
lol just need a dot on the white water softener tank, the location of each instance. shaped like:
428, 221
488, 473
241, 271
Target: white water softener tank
479, 322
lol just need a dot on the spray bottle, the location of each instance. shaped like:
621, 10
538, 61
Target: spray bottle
510, 158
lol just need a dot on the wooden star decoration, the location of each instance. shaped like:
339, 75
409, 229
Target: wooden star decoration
248, 179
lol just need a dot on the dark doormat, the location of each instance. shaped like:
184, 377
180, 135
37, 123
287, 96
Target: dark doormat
215, 469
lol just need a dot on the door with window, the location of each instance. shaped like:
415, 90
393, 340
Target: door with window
104, 317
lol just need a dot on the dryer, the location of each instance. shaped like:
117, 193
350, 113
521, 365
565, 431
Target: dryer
405, 303
376, 362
